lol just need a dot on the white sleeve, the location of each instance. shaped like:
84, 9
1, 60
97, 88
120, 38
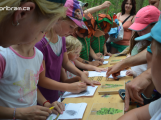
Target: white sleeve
154, 107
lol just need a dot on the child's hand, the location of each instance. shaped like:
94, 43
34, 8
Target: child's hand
131, 73
86, 72
33, 113
107, 54
59, 107
86, 80
99, 55
77, 87
100, 69
96, 63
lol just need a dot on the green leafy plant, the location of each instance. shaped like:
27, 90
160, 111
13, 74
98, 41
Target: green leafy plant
105, 111
110, 86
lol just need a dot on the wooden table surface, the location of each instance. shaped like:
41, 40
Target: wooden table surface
113, 98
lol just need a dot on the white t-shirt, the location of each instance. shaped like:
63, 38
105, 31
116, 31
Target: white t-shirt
18, 83
155, 110
56, 47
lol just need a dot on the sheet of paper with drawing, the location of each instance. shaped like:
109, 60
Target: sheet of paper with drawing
72, 111
96, 74
88, 92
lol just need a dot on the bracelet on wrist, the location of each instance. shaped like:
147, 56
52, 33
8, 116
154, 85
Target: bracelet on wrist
46, 102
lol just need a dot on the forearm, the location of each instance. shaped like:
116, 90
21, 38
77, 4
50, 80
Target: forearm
141, 113
40, 98
52, 84
93, 9
83, 66
146, 75
138, 59
72, 80
93, 54
72, 68
105, 48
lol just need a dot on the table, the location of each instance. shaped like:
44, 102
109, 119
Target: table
114, 98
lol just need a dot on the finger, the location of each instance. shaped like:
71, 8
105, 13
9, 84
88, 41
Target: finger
40, 117
44, 109
137, 97
58, 108
109, 72
96, 83
55, 111
127, 99
61, 106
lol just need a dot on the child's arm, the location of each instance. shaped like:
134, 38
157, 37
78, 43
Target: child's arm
94, 63
54, 85
105, 51
71, 68
92, 10
58, 106
88, 67
94, 56
63, 77
141, 113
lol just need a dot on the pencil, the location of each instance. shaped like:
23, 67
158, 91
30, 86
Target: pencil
51, 108
57, 117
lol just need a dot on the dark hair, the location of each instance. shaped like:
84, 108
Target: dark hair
133, 10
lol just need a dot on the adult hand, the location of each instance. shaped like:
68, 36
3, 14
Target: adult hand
96, 63
99, 55
77, 87
105, 4
114, 70
134, 89
34, 113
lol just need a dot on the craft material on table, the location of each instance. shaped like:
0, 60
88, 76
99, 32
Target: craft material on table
72, 111
88, 92
94, 74
111, 87
106, 57
106, 111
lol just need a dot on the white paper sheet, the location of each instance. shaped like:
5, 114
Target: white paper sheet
106, 57
89, 92
122, 74
105, 62
72, 111
96, 74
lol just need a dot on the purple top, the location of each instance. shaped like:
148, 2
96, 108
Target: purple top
53, 66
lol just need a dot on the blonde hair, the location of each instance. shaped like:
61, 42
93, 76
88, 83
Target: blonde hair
44, 9
72, 44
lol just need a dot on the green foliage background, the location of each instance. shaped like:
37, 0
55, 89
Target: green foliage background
115, 7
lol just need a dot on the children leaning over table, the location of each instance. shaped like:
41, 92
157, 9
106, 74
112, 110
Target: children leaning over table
21, 65
74, 47
142, 25
151, 111
55, 56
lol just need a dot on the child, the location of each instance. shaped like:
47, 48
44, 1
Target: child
151, 111
19, 74
55, 55
74, 46
141, 26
